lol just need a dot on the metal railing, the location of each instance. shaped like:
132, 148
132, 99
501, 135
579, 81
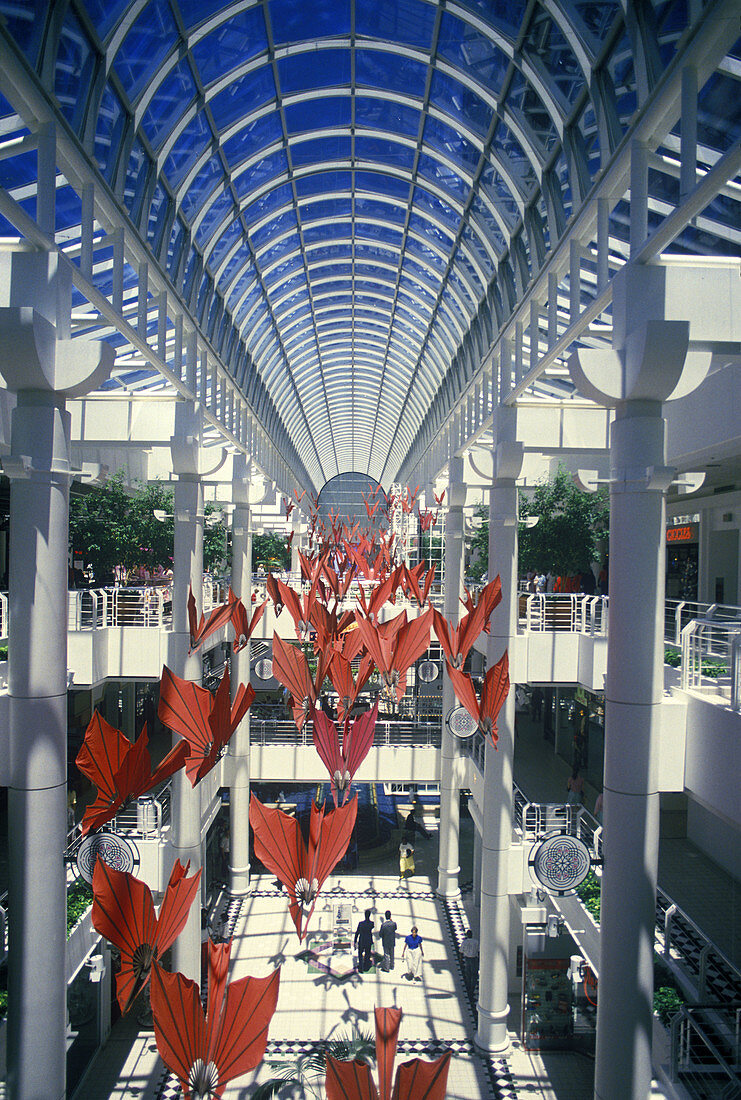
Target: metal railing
571, 613
705, 1050
688, 951
280, 732
678, 613
710, 653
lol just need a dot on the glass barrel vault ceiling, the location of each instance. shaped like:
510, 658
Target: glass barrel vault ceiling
343, 182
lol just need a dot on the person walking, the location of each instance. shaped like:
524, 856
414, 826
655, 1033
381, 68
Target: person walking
406, 859
387, 933
414, 955
470, 957
364, 942
575, 788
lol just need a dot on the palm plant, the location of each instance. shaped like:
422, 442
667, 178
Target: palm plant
307, 1070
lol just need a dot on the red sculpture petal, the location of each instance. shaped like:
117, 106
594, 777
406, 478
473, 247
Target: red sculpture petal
179, 896
243, 1030
101, 754
291, 668
387, 1035
349, 1081
201, 630
495, 690
179, 1024
465, 691
418, 1080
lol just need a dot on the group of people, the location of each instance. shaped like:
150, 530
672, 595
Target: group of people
412, 951
584, 582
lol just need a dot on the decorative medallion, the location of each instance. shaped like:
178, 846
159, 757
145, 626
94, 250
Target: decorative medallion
264, 669
116, 851
428, 671
560, 862
461, 723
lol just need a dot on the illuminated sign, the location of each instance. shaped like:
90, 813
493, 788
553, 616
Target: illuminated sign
686, 533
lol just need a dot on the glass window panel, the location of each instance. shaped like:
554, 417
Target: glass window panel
620, 65
292, 22
413, 287
499, 194
312, 233
229, 237
319, 182
589, 130
719, 112
385, 152
283, 248
463, 293
145, 47
487, 224
315, 114
506, 147
366, 207
201, 187
230, 44
380, 182
380, 69
370, 254
561, 169
253, 137
546, 42
598, 15
468, 272
25, 23
672, 18
473, 242
175, 246
242, 96
193, 140
169, 103
383, 114
273, 200
524, 100
68, 214
448, 141
303, 71
425, 254
235, 265
108, 127
214, 216
473, 52
336, 207
196, 11
442, 176
396, 21
156, 215
694, 241
319, 150
275, 227
258, 173
73, 68
460, 103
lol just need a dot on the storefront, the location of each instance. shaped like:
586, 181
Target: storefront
682, 555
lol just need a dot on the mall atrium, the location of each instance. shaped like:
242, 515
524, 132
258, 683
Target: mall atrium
290, 257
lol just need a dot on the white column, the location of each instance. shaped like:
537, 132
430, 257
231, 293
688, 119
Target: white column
633, 692
493, 1006
239, 746
185, 837
42, 369
477, 850
450, 759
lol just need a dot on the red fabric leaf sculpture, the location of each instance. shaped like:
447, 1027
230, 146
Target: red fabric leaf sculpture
204, 720
394, 655
205, 1053
292, 669
347, 688
123, 912
200, 629
494, 692
280, 845
415, 1080
244, 626
457, 641
342, 763
119, 769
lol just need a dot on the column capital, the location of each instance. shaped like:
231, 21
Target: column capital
33, 358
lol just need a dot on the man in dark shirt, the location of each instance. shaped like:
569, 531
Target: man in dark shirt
388, 941
364, 942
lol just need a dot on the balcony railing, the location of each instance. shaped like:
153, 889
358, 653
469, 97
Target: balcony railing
394, 733
572, 613
705, 1051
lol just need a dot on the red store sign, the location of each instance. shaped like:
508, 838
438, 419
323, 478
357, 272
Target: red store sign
687, 532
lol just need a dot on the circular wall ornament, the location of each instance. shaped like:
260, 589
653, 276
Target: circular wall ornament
559, 862
114, 850
428, 671
264, 669
461, 723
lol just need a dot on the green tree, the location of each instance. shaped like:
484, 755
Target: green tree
271, 551
566, 539
105, 529
570, 527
